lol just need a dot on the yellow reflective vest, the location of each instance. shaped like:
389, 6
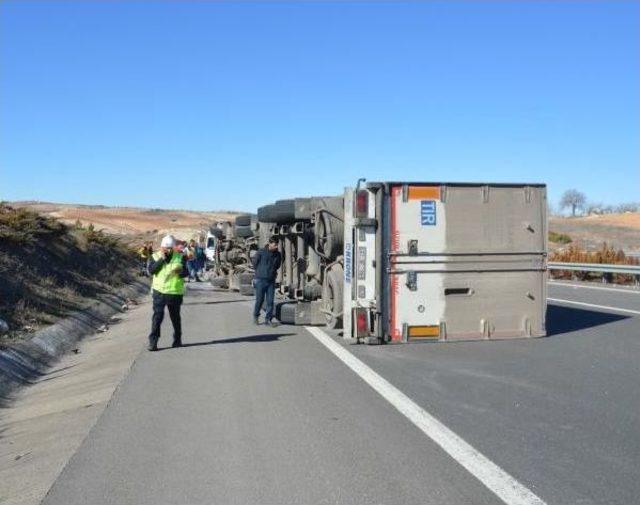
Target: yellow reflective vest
168, 280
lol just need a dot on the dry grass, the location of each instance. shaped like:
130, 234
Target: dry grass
605, 255
48, 269
621, 231
20, 225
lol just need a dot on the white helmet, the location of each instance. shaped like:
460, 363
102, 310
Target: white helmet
168, 241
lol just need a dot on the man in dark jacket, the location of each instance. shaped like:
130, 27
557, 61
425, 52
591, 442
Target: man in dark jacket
266, 263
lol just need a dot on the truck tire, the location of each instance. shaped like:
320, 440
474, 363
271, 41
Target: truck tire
329, 236
286, 313
246, 290
244, 231
304, 208
246, 279
333, 302
243, 220
264, 211
219, 282
281, 212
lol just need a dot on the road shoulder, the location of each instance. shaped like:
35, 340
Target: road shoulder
48, 420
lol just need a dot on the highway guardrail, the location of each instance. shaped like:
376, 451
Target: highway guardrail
596, 267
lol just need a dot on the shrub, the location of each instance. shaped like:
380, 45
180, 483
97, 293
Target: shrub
606, 254
559, 238
24, 226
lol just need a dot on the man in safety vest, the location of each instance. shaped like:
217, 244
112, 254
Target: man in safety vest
168, 270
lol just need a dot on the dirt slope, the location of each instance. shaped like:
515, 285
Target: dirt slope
131, 222
622, 231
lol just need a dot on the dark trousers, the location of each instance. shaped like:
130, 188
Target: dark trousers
193, 269
265, 291
172, 302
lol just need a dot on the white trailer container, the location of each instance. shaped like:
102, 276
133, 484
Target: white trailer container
442, 261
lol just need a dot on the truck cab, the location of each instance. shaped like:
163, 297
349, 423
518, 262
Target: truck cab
210, 247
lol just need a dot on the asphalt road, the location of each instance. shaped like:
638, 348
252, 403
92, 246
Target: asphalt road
245, 414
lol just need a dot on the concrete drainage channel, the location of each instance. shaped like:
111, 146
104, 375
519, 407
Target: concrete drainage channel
25, 361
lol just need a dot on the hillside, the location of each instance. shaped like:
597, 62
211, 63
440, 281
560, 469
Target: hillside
130, 223
622, 231
48, 268
134, 224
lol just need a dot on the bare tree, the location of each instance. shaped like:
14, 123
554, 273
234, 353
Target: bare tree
627, 207
574, 199
593, 208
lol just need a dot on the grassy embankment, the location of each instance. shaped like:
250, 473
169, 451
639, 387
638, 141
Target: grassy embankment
48, 268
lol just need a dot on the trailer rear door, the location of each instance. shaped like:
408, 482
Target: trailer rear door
465, 261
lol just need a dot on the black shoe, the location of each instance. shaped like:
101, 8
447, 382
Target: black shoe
153, 346
177, 343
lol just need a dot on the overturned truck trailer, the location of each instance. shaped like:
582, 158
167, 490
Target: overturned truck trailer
235, 245
399, 262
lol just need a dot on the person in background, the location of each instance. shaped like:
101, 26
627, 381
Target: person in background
201, 258
168, 270
266, 263
144, 253
192, 262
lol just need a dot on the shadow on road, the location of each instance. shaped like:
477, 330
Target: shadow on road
561, 319
264, 337
215, 302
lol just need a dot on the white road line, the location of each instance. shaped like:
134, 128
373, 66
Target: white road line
619, 290
509, 490
605, 307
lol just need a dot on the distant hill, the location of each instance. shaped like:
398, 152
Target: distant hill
131, 222
622, 231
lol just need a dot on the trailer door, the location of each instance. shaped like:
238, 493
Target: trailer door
466, 261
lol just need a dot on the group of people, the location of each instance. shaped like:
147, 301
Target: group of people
170, 266
192, 251
195, 259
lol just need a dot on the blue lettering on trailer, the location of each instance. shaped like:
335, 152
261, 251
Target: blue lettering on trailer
428, 212
348, 261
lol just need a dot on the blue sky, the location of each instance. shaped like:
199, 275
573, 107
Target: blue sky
211, 105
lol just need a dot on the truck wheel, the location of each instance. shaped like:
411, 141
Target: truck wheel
219, 282
286, 313
246, 290
243, 220
244, 231
281, 212
329, 234
332, 296
246, 279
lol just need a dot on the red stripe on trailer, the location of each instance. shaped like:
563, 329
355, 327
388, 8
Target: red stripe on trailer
395, 247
